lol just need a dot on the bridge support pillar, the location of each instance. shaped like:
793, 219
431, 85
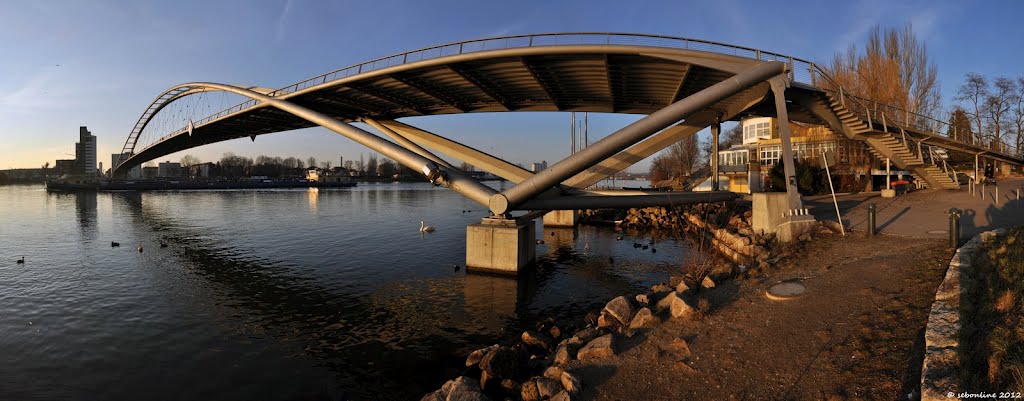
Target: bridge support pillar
779, 85
503, 246
561, 218
771, 215
715, 129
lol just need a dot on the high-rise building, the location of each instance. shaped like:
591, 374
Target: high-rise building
85, 152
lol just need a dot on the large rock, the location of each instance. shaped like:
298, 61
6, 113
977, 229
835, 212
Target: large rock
621, 309
438, 395
644, 319
548, 387
529, 391
570, 382
587, 334
476, 356
553, 373
500, 363
601, 347
561, 396
642, 299
676, 306
661, 289
708, 283
679, 348
536, 340
682, 288
466, 389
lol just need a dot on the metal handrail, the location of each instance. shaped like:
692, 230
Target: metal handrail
801, 71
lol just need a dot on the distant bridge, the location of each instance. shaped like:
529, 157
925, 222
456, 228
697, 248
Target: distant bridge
681, 85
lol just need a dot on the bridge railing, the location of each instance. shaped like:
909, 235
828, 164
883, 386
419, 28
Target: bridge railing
801, 71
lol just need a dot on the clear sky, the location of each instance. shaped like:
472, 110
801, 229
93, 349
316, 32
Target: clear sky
68, 63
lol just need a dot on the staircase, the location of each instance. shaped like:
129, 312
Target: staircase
885, 144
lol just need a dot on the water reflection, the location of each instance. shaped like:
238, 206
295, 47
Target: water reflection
85, 210
560, 237
491, 300
348, 288
312, 195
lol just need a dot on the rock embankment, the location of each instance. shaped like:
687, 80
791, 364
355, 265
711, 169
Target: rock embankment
538, 365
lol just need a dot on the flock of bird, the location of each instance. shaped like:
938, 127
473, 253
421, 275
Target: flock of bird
113, 244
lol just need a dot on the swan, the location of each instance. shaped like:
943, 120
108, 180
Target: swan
21, 261
424, 228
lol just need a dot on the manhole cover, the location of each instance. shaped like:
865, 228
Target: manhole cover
785, 290
938, 232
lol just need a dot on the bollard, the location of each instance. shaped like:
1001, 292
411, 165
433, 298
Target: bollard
954, 228
871, 220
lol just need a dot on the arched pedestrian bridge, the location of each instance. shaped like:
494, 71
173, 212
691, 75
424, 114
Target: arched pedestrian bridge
681, 85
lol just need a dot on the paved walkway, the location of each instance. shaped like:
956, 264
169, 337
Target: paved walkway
924, 213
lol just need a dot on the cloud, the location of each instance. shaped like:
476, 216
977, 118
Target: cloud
282, 21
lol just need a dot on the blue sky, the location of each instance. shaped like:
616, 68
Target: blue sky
100, 63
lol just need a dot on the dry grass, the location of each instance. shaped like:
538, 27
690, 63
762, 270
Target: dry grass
992, 338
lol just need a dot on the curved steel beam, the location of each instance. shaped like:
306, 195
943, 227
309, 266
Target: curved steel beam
630, 135
440, 175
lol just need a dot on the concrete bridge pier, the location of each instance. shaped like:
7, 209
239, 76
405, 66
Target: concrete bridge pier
561, 218
772, 215
501, 245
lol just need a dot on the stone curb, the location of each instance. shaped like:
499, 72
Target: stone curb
941, 367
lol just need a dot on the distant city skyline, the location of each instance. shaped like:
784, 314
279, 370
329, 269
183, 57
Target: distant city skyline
99, 64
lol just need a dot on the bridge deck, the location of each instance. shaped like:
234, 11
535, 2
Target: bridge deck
594, 72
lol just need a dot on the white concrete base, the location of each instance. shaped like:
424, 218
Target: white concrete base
888, 193
769, 210
562, 218
500, 246
793, 227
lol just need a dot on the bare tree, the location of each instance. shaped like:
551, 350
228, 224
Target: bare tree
348, 165
189, 160
997, 104
311, 162
371, 165
974, 90
326, 165
894, 69
1017, 103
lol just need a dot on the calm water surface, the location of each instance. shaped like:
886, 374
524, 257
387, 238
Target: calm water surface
273, 294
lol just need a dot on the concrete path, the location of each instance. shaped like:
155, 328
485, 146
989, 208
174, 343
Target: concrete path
924, 213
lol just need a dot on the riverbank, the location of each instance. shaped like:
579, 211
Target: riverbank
855, 333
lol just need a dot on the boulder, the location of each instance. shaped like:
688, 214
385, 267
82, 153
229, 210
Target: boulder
606, 321
676, 306
679, 348
510, 386
466, 389
674, 280
707, 283
643, 319
555, 332
529, 392
570, 382
553, 373
642, 299
587, 334
502, 362
536, 340
661, 288
621, 309
438, 395
601, 347
682, 288
561, 396
563, 355
475, 356
548, 387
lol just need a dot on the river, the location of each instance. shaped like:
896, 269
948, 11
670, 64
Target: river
274, 294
